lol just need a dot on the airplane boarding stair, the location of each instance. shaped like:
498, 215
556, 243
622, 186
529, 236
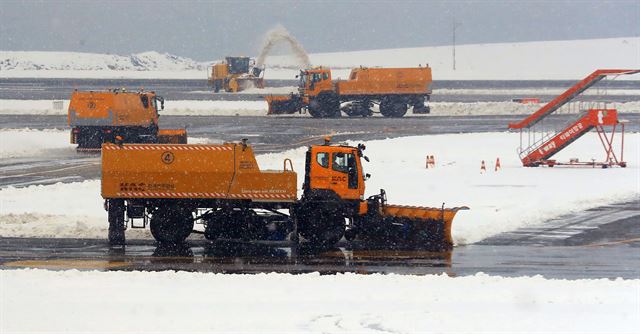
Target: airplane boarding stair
538, 151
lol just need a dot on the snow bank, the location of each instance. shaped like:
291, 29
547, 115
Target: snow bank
24, 143
501, 201
260, 108
71, 64
74, 301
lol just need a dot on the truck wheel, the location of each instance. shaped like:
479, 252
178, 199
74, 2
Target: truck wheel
326, 105
393, 107
116, 222
213, 228
171, 224
330, 104
320, 225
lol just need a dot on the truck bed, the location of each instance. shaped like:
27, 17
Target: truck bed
378, 81
227, 171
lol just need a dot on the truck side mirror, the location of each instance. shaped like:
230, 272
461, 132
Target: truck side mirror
366, 158
367, 176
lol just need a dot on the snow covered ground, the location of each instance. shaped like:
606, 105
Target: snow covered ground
260, 108
550, 60
73, 301
511, 198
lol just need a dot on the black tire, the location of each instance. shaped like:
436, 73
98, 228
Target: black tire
321, 224
171, 224
117, 226
390, 107
326, 105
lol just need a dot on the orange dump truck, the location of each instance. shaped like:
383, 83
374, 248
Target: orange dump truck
173, 187
98, 117
393, 90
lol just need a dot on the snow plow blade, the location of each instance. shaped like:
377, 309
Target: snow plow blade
404, 227
283, 104
426, 228
172, 136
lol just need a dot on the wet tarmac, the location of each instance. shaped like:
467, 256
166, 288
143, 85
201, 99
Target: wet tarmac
610, 249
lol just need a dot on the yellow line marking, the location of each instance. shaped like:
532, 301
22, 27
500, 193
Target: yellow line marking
627, 241
66, 264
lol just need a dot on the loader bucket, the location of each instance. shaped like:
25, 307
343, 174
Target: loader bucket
282, 104
172, 136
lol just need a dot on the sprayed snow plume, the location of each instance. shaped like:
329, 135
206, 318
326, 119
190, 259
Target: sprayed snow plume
281, 34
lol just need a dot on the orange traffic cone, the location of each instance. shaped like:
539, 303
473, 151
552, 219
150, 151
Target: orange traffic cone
498, 167
483, 168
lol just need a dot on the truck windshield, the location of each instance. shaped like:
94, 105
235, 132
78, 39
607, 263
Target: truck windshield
238, 65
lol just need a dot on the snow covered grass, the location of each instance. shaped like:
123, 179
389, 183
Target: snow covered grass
511, 198
548, 60
259, 108
89, 301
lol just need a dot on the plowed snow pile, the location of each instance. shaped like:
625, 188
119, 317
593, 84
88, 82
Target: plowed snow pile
500, 201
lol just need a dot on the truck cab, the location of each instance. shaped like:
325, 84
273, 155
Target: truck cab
334, 170
314, 81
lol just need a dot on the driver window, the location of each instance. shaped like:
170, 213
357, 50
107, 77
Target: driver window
340, 162
323, 159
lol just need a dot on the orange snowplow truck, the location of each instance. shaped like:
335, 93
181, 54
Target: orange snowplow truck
393, 90
173, 187
117, 115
